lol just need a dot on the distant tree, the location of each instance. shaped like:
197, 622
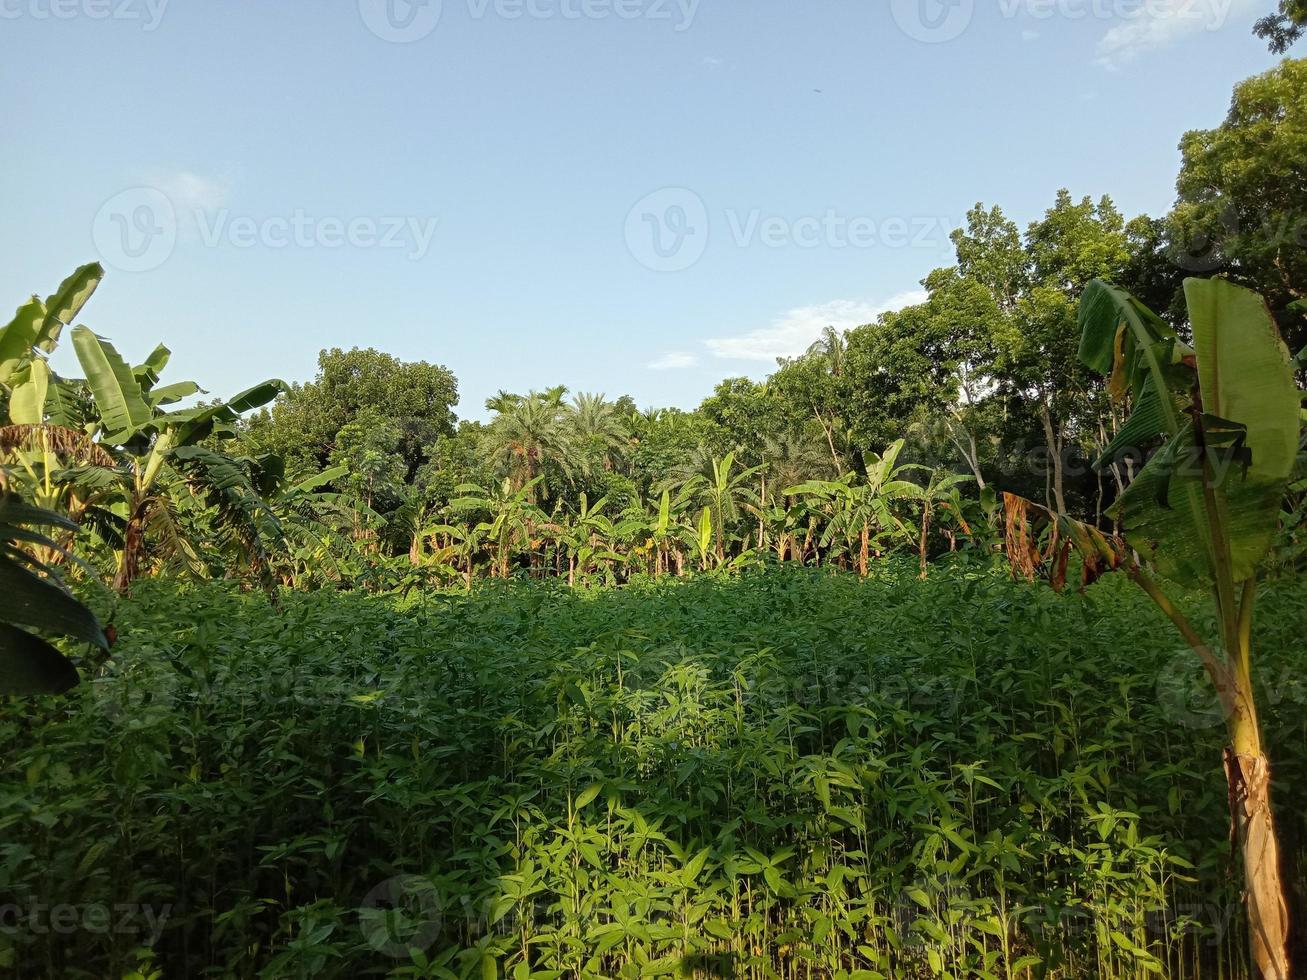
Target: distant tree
366, 448
416, 398
744, 413
528, 438
598, 432
666, 439
1241, 212
1281, 29
814, 389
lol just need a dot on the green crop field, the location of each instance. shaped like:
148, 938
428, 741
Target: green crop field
784, 774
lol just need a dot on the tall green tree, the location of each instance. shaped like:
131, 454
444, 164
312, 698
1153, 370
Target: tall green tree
1241, 209
1283, 28
417, 398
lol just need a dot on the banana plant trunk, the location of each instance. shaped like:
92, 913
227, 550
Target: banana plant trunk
129, 562
1248, 772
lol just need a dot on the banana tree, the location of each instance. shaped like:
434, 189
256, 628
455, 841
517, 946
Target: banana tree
150, 442
858, 512
44, 437
1203, 511
513, 517
940, 490
461, 542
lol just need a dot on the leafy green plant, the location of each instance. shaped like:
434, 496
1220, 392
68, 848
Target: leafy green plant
778, 774
35, 598
1203, 512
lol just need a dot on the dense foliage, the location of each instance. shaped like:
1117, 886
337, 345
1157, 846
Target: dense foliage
789, 773
341, 713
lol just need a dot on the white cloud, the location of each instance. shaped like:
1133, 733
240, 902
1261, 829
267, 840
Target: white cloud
712, 62
190, 191
1029, 35
1161, 23
675, 361
792, 333
192, 195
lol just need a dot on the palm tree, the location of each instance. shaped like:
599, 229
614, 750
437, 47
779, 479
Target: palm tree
597, 432
788, 458
528, 436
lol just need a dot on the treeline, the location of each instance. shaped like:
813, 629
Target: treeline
981, 379
895, 436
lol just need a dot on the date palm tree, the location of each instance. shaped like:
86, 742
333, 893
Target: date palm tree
528, 437
596, 432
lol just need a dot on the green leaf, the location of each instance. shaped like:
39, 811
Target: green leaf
62, 307
39, 603
1245, 376
1146, 423
27, 403
117, 394
587, 795
63, 406
18, 338
147, 374
29, 665
169, 394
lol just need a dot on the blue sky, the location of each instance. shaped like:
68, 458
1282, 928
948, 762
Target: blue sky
626, 196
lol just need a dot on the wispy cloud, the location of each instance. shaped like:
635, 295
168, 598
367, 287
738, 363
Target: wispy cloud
712, 62
1160, 24
792, 333
192, 195
675, 361
190, 191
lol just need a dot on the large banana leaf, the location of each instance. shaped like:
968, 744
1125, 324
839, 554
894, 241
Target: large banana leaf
66, 404
18, 338
38, 325
194, 424
27, 402
66, 302
1240, 435
241, 511
1245, 377
147, 374
117, 393
29, 665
